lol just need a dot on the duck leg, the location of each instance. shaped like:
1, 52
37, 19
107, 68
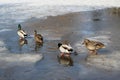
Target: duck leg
93, 52
70, 62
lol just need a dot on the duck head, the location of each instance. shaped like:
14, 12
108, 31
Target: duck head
59, 44
35, 32
85, 41
19, 27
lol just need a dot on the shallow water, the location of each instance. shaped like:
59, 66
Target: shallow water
24, 63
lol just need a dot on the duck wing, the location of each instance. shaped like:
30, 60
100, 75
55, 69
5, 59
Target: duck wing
23, 32
39, 36
65, 47
99, 45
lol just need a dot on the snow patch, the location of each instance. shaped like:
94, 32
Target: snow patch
4, 30
14, 13
66, 2
19, 59
2, 46
22, 57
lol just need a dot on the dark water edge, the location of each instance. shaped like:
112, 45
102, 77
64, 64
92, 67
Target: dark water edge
73, 27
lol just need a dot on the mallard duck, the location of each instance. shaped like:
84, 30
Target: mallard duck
38, 38
21, 32
65, 48
93, 46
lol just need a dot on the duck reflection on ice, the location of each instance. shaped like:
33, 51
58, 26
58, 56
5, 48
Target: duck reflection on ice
22, 42
65, 59
37, 46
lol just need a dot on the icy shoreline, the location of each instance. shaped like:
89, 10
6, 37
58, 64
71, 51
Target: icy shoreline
104, 3
13, 13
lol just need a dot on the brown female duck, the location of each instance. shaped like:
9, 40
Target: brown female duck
93, 46
38, 38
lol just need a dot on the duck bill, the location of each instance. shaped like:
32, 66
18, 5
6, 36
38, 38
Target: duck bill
83, 43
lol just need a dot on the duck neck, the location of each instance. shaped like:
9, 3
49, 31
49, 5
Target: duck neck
86, 44
19, 27
35, 33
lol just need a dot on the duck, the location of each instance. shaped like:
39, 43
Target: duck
21, 33
65, 48
38, 38
93, 46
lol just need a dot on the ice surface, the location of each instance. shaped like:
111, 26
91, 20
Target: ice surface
20, 63
109, 62
10, 59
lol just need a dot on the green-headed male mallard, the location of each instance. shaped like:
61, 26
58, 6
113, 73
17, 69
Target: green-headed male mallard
21, 32
38, 38
93, 46
65, 48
